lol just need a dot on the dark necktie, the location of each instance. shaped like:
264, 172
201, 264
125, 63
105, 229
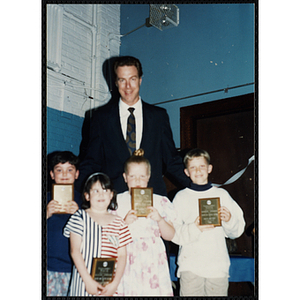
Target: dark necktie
130, 134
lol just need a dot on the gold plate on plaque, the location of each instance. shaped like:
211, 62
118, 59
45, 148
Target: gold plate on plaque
209, 211
103, 269
141, 198
63, 194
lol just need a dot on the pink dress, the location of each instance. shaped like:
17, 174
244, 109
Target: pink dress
147, 271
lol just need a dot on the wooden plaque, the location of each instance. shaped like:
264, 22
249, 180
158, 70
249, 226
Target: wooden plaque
141, 198
209, 211
64, 194
103, 269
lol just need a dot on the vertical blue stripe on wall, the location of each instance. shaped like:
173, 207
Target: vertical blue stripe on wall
63, 131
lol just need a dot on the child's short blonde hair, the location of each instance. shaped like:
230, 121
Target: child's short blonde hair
137, 157
196, 153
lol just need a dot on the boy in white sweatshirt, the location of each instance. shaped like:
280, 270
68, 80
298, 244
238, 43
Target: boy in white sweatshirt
203, 258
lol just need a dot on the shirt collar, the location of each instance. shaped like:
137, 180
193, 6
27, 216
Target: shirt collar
124, 107
200, 188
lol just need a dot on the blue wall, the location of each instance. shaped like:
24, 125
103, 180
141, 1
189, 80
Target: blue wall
63, 131
211, 49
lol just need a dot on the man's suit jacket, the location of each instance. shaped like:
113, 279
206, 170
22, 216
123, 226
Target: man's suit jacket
107, 150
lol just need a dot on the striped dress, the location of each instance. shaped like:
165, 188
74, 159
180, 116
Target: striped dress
97, 241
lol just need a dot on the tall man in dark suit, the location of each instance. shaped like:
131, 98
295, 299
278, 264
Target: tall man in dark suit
107, 149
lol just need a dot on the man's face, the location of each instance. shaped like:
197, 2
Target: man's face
128, 83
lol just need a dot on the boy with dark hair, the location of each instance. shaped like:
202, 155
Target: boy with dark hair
64, 170
203, 258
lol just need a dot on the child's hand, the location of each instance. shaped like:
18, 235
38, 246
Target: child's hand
72, 208
154, 214
130, 217
202, 227
93, 287
109, 289
52, 208
225, 214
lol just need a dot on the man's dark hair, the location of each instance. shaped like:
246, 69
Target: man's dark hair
128, 61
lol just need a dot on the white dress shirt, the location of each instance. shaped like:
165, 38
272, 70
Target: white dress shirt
138, 114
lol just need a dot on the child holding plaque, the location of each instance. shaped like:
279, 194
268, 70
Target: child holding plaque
147, 270
95, 232
64, 170
203, 258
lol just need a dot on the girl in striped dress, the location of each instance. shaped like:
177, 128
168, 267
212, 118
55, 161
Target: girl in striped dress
95, 232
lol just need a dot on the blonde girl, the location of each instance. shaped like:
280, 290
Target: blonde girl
147, 271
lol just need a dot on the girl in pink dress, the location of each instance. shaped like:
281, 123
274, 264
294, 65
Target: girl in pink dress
147, 271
